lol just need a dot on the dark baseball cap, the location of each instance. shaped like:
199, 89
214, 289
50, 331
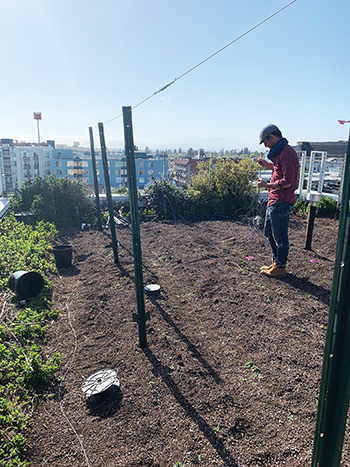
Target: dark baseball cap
266, 131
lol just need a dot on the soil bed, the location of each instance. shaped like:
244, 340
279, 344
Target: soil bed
231, 373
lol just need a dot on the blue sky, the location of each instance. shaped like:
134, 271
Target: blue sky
79, 61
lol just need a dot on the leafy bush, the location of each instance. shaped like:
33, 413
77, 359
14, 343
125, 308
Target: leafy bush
224, 189
326, 207
165, 199
301, 207
59, 200
121, 190
24, 371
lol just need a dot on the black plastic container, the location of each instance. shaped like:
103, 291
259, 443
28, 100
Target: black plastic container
26, 284
63, 255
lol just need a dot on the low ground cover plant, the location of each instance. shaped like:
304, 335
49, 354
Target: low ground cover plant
24, 372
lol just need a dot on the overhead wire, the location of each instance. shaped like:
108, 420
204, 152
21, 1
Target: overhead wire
206, 59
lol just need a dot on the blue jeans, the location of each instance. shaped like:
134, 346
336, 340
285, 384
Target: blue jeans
276, 231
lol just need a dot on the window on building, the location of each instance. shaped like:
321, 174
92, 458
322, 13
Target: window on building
70, 164
85, 164
141, 180
47, 172
58, 172
142, 172
150, 164
140, 164
58, 164
71, 172
117, 172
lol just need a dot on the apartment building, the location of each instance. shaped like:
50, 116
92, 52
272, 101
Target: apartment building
20, 162
184, 169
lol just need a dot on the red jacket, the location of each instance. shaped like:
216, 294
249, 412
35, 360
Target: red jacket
285, 171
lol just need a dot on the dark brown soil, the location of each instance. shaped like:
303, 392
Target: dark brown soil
232, 370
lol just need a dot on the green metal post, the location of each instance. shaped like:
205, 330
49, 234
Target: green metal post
108, 192
98, 207
335, 384
141, 317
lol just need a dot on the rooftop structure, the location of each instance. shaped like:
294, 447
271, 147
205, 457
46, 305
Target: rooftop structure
335, 149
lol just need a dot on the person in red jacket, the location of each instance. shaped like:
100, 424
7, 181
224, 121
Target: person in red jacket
284, 164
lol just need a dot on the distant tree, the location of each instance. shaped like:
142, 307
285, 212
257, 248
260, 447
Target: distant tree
190, 153
179, 150
147, 150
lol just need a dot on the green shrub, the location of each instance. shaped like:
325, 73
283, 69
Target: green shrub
301, 207
225, 188
121, 190
165, 199
326, 207
58, 200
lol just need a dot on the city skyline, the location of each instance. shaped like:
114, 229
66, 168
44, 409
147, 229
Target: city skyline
78, 63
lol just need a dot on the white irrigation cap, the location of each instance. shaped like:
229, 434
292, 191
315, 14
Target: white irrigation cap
99, 382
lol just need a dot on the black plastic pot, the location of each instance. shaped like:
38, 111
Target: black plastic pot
63, 255
26, 284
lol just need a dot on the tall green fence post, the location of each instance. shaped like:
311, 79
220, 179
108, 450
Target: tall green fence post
108, 192
334, 397
141, 317
94, 171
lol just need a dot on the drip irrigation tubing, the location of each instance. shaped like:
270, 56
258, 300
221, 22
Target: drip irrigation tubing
64, 377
